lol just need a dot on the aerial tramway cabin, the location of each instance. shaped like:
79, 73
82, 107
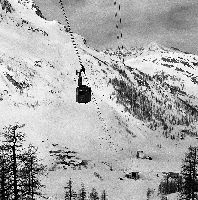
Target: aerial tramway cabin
83, 92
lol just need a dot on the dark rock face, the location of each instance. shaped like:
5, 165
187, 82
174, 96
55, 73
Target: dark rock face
38, 11
6, 6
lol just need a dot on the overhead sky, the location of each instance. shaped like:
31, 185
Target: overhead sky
168, 22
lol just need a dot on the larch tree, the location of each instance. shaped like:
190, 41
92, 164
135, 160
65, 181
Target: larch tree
19, 166
30, 173
104, 195
5, 175
12, 143
190, 175
94, 194
70, 194
82, 195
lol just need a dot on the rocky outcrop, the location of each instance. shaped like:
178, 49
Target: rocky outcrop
6, 6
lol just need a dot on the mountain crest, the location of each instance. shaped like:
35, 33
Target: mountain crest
154, 46
11, 5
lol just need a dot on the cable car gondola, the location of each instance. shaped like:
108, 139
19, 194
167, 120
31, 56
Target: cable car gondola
83, 92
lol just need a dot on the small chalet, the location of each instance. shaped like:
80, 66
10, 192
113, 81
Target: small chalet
133, 175
140, 154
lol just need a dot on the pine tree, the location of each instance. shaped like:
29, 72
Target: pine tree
5, 176
189, 173
2, 177
149, 193
94, 194
82, 193
30, 172
70, 194
19, 168
13, 145
104, 195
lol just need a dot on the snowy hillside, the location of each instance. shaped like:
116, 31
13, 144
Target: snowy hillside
138, 105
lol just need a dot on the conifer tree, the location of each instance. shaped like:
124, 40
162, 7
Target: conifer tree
149, 193
104, 195
189, 173
13, 145
70, 194
82, 193
5, 175
19, 168
2, 177
94, 194
30, 172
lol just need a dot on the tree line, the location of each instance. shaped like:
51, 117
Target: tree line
147, 106
82, 194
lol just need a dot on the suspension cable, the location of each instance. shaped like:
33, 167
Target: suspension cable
71, 33
81, 63
119, 28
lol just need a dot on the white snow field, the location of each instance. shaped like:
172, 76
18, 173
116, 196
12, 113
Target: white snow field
40, 54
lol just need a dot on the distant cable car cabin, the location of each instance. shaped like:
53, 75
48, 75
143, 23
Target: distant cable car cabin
83, 92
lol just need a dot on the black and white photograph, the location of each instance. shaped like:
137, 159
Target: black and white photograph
98, 100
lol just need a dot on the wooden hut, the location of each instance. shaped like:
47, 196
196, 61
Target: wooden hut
140, 154
133, 175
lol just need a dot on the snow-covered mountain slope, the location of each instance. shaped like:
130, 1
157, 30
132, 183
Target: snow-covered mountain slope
136, 105
174, 75
149, 89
